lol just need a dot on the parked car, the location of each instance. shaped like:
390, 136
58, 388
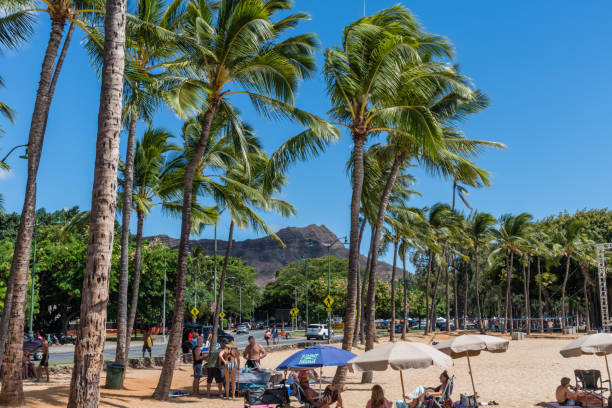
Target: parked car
398, 328
204, 331
419, 326
318, 331
260, 326
443, 326
34, 346
242, 329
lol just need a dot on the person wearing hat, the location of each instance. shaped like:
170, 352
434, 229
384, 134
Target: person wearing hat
230, 359
214, 369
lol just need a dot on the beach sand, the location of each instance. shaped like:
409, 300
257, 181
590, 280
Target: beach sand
525, 376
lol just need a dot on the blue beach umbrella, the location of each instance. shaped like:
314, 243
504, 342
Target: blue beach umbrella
317, 356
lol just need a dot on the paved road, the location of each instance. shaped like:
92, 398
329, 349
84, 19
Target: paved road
66, 353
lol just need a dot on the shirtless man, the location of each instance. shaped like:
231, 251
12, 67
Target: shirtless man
253, 353
44, 362
566, 394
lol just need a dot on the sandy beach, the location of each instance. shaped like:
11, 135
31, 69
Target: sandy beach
525, 376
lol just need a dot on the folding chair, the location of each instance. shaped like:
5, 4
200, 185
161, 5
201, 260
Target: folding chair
448, 391
591, 383
301, 395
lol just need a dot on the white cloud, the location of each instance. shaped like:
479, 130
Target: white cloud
5, 174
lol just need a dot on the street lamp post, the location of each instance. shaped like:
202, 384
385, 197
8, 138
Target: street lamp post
24, 156
32, 277
164, 306
240, 290
306, 278
329, 283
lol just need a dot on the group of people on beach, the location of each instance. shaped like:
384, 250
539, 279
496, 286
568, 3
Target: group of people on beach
28, 367
223, 364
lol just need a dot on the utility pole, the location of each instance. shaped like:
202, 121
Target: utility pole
164, 307
306, 277
240, 290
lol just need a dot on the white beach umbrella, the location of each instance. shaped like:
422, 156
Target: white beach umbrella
471, 345
599, 344
400, 356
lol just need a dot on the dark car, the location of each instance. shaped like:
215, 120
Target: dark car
260, 326
399, 327
203, 330
34, 347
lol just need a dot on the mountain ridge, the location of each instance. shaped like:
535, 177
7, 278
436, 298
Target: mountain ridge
267, 256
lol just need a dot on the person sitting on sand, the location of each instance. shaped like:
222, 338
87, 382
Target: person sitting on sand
378, 399
28, 365
331, 394
567, 394
420, 394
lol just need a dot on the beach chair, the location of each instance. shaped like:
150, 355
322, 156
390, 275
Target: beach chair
446, 395
300, 394
591, 383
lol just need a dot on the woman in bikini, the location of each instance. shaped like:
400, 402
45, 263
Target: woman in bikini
231, 359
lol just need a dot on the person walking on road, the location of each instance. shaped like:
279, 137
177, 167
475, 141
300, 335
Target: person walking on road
147, 342
253, 353
274, 335
267, 336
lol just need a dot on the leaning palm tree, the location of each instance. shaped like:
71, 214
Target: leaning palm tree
236, 43
568, 239
364, 77
480, 229
509, 236
151, 42
89, 351
148, 165
7, 112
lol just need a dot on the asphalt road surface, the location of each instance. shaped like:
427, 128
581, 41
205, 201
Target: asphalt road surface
66, 353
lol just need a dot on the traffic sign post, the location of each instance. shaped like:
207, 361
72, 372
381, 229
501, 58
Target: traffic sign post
294, 312
194, 312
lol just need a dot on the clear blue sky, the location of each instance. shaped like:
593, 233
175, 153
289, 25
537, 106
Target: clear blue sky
545, 65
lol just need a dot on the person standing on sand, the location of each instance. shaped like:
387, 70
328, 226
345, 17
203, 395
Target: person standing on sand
147, 342
198, 358
214, 369
44, 361
267, 336
253, 353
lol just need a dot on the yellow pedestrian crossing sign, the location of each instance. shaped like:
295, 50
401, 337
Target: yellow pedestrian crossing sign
195, 312
294, 312
328, 301
222, 314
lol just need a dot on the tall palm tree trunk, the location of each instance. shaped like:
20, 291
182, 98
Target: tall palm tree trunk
587, 312
12, 385
135, 282
507, 312
465, 298
427, 285
392, 328
228, 250
176, 329
540, 309
455, 293
525, 295
528, 297
89, 351
476, 283
362, 301
380, 219
122, 351
447, 296
405, 303
6, 312
353, 267
434, 299
358, 315
567, 267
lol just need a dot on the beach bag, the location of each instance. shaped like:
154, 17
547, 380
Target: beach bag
274, 396
468, 401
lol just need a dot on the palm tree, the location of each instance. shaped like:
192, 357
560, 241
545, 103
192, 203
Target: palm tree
7, 112
236, 44
89, 351
585, 256
480, 228
242, 205
148, 166
510, 235
540, 246
151, 41
16, 25
568, 238
364, 79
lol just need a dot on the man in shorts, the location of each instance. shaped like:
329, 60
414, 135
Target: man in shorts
214, 369
44, 361
253, 353
198, 358
147, 342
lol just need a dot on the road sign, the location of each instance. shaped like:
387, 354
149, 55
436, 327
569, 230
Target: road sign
328, 301
294, 311
329, 309
222, 314
195, 312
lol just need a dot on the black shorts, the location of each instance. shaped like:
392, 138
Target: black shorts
214, 372
146, 348
44, 363
252, 364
